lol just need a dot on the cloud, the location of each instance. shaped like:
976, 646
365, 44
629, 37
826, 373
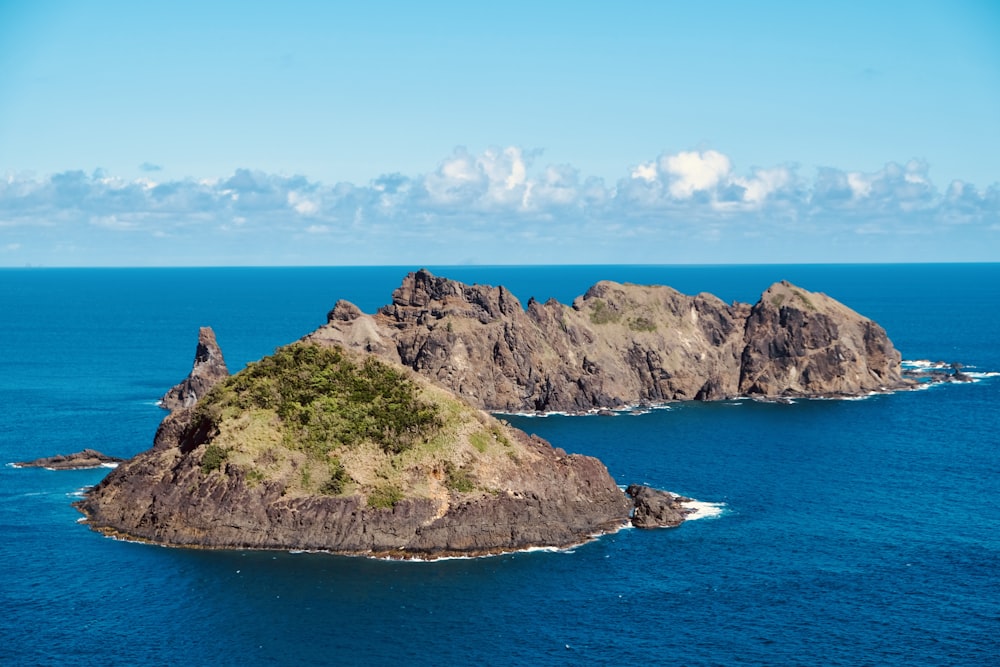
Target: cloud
692, 172
501, 200
150, 167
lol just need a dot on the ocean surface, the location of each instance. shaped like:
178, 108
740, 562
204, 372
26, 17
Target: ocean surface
860, 532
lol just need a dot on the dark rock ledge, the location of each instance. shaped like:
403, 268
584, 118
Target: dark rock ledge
88, 458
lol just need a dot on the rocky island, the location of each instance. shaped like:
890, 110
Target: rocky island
370, 437
620, 345
321, 448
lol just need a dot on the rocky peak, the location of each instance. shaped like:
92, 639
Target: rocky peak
208, 369
424, 297
344, 311
801, 343
622, 344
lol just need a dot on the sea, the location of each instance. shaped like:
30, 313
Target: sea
839, 532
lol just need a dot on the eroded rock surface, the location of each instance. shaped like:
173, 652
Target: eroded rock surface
619, 345
657, 509
208, 369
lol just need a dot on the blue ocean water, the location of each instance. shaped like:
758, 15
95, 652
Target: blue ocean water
854, 532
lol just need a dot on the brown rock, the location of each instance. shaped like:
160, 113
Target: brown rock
517, 492
620, 345
806, 344
655, 508
209, 367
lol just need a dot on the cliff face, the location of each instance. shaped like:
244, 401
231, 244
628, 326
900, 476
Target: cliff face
551, 499
801, 343
619, 345
277, 457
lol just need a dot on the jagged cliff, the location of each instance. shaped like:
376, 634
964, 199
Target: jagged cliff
619, 344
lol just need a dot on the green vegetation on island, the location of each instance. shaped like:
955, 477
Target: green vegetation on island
320, 420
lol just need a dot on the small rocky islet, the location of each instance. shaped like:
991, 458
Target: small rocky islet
82, 460
371, 436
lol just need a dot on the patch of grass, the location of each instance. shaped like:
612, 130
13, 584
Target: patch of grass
804, 299
777, 300
601, 313
641, 324
457, 479
254, 477
499, 435
480, 440
213, 458
385, 497
338, 479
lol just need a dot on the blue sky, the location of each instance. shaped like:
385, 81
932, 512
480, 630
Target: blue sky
325, 133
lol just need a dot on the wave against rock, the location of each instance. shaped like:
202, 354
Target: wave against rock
620, 345
88, 458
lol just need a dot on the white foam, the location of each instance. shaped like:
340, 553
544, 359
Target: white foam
925, 363
108, 465
703, 510
637, 409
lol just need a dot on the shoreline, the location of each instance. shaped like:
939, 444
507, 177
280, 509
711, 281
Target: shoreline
698, 510
918, 375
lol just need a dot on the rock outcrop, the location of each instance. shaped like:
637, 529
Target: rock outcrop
88, 458
209, 368
619, 345
268, 460
655, 508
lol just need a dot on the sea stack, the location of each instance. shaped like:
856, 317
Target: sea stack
209, 368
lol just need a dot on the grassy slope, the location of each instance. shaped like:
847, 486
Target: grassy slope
320, 420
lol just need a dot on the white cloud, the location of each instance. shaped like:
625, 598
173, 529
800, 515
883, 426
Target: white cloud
763, 184
861, 185
496, 194
693, 171
302, 204
645, 172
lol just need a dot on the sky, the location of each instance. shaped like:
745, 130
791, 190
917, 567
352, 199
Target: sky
440, 133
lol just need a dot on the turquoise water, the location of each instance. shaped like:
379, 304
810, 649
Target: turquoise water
853, 532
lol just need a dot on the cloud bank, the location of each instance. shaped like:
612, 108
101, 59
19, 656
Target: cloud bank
501, 205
